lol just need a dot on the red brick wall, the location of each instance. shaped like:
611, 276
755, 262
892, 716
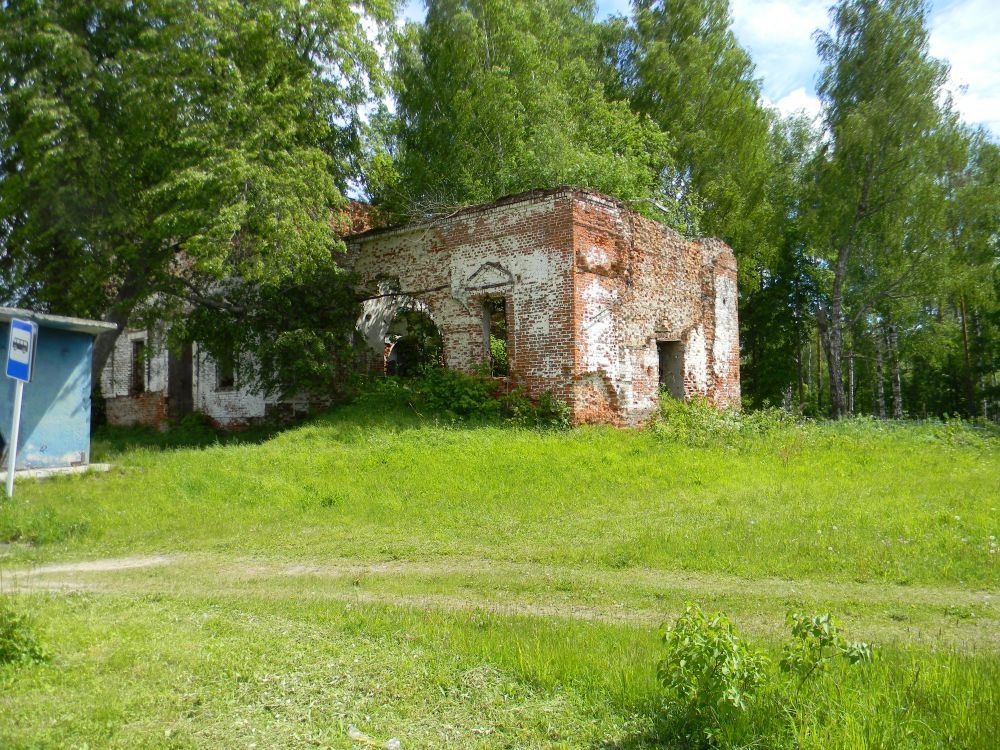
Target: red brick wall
638, 282
591, 287
521, 250
148, 409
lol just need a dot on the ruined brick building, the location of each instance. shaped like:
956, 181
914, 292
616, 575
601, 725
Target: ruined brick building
596, 304
145, 383
601, 305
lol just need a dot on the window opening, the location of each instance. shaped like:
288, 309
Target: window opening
137, 382
496, 336
225, 372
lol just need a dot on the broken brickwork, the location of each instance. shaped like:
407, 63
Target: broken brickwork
601, 303
137, 389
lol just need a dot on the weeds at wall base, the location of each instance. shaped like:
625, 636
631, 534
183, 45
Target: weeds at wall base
453, 395
698, 423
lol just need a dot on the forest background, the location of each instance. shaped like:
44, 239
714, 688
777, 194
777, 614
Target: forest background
183, 161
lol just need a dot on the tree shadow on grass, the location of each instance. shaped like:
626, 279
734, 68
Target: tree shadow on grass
666, 731
108, 441
386, 411
660, 738
645, 741
396, 410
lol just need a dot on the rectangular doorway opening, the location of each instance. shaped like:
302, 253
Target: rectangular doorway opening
496, 337
671, 358
180, 381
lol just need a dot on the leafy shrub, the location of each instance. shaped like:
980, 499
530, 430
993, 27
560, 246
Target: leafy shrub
721, 686
18, 641
816, 641
517, 408
552, 411
457, 394
708, 669
699, 423
548, 412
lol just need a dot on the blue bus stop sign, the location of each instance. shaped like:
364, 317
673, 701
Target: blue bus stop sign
21, 349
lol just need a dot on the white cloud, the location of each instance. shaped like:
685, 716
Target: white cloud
797, 101
966, 34
778, 35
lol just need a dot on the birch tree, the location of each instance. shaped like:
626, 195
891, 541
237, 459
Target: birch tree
875, 177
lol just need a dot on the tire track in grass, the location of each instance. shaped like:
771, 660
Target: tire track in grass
530, 590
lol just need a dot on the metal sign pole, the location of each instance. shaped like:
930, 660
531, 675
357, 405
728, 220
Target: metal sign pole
15, 428
20, 357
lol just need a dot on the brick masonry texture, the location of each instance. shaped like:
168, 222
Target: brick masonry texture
590, 285
229, 407
123, 406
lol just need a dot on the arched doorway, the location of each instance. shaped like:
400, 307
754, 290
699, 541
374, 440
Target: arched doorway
413, 344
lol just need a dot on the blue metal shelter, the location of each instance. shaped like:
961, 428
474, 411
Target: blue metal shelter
55, 414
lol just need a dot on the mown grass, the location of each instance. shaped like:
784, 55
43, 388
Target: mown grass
474, 585
179, 672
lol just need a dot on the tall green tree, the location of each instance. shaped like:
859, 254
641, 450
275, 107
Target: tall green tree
948, 344
500, 96
177, 154
683, 66
775, 311
877, 194
972, 231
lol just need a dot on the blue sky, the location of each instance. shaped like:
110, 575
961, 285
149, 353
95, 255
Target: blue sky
778, 34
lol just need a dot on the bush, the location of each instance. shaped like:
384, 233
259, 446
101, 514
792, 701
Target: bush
699, 423
456, 394
816, 641
709, 670
721, 686
18, 641
548, 412
552, 411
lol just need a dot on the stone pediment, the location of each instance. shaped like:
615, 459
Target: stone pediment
488, 276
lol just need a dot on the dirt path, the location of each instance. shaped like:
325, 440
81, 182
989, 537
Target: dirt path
108, 565
633, 596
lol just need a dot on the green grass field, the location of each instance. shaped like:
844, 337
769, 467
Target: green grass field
491, 587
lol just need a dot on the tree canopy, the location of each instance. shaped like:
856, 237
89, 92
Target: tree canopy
499, 96
176, 155
188, 162
683, 67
